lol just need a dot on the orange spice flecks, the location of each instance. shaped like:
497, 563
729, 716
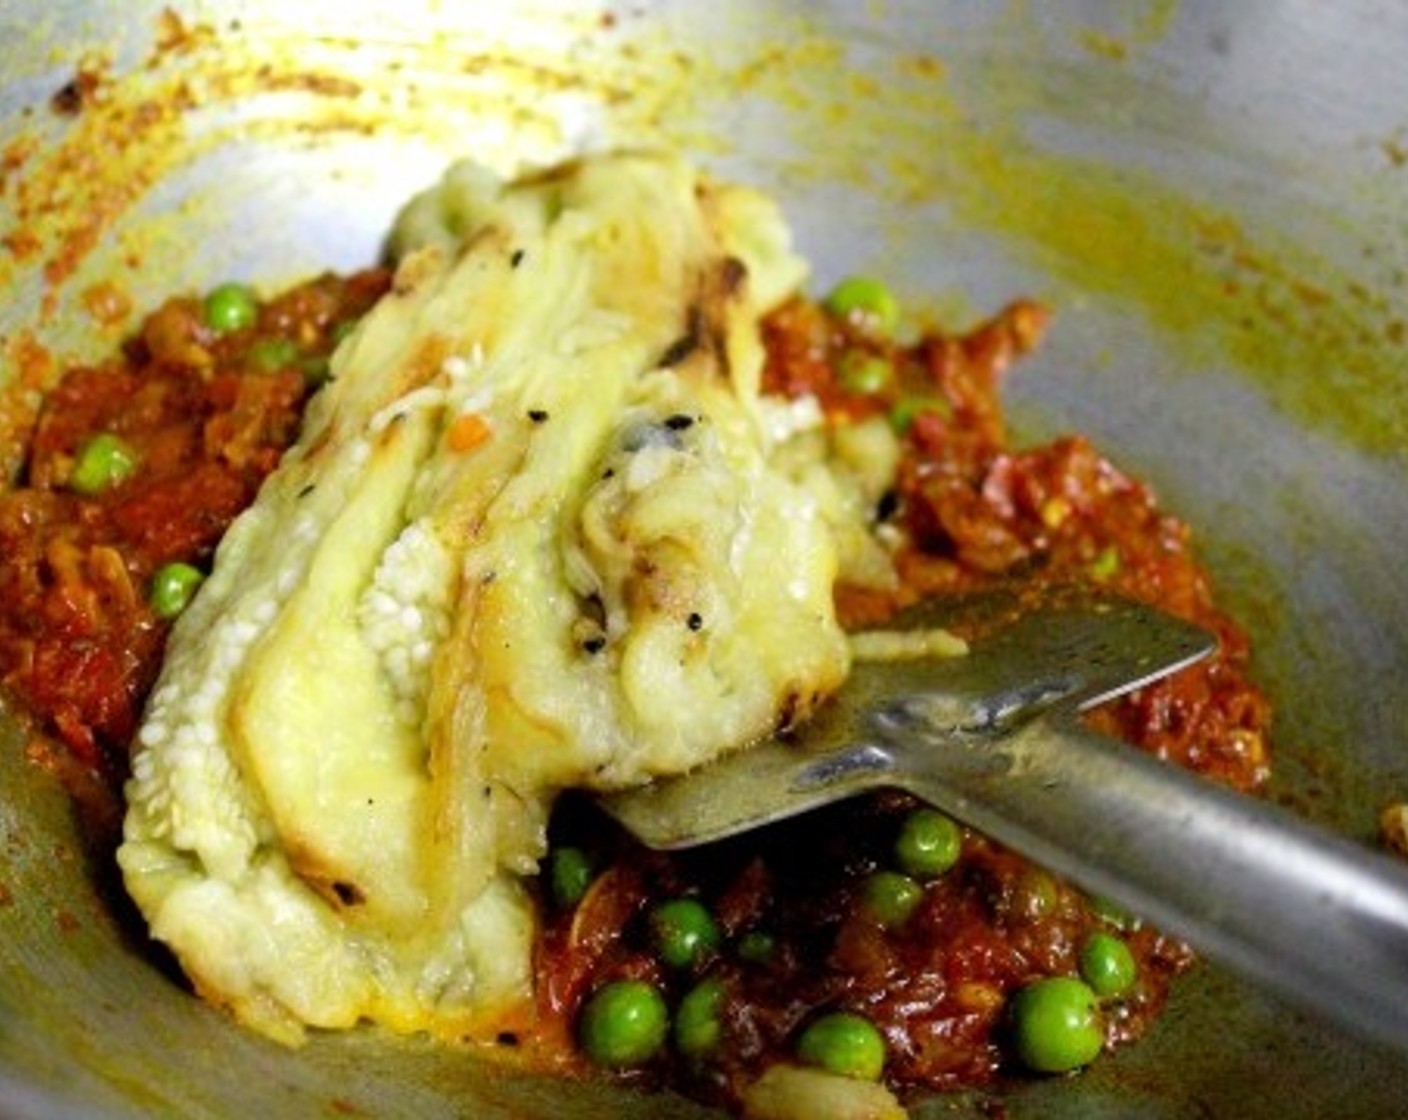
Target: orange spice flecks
107, 303
468, 432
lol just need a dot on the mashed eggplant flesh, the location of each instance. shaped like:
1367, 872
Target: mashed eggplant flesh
587, 490
539, 532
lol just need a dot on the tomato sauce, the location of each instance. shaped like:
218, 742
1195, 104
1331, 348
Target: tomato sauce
975, 513
207, 415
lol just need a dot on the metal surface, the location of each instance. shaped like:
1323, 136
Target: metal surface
1060, 657
1212, 198
994, 739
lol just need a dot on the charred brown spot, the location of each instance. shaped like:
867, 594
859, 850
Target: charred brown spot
888, 505
348, 894
75, 95
688, 342
732, 273
788, 711
589, 629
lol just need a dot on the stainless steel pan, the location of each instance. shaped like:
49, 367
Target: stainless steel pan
1213, 198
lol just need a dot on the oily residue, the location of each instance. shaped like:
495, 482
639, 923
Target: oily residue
1231, 286
1320, 340
76, 174
125, 134
1326, 348
104, 176
1145, 24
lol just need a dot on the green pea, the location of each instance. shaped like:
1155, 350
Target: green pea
1112, 913
1034, 894
1107, 964
230, 307
928, 844
1056, 1025
173, 587
570, 873
843, 1043
699, 1026
623, 1023
1106, 565
102, 462
684, 932
906, 409
271, 354
757, 947
864, 373
865, 303
891, 897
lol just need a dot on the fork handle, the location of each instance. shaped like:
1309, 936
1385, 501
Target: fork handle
1312, 916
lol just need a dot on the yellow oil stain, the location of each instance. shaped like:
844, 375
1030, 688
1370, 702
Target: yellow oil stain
1320, 341
77, 175
1143, 26
1324, 344
1325, 348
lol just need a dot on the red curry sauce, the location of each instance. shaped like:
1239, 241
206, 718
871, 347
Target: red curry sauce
974, 512
80, 645
206, 415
